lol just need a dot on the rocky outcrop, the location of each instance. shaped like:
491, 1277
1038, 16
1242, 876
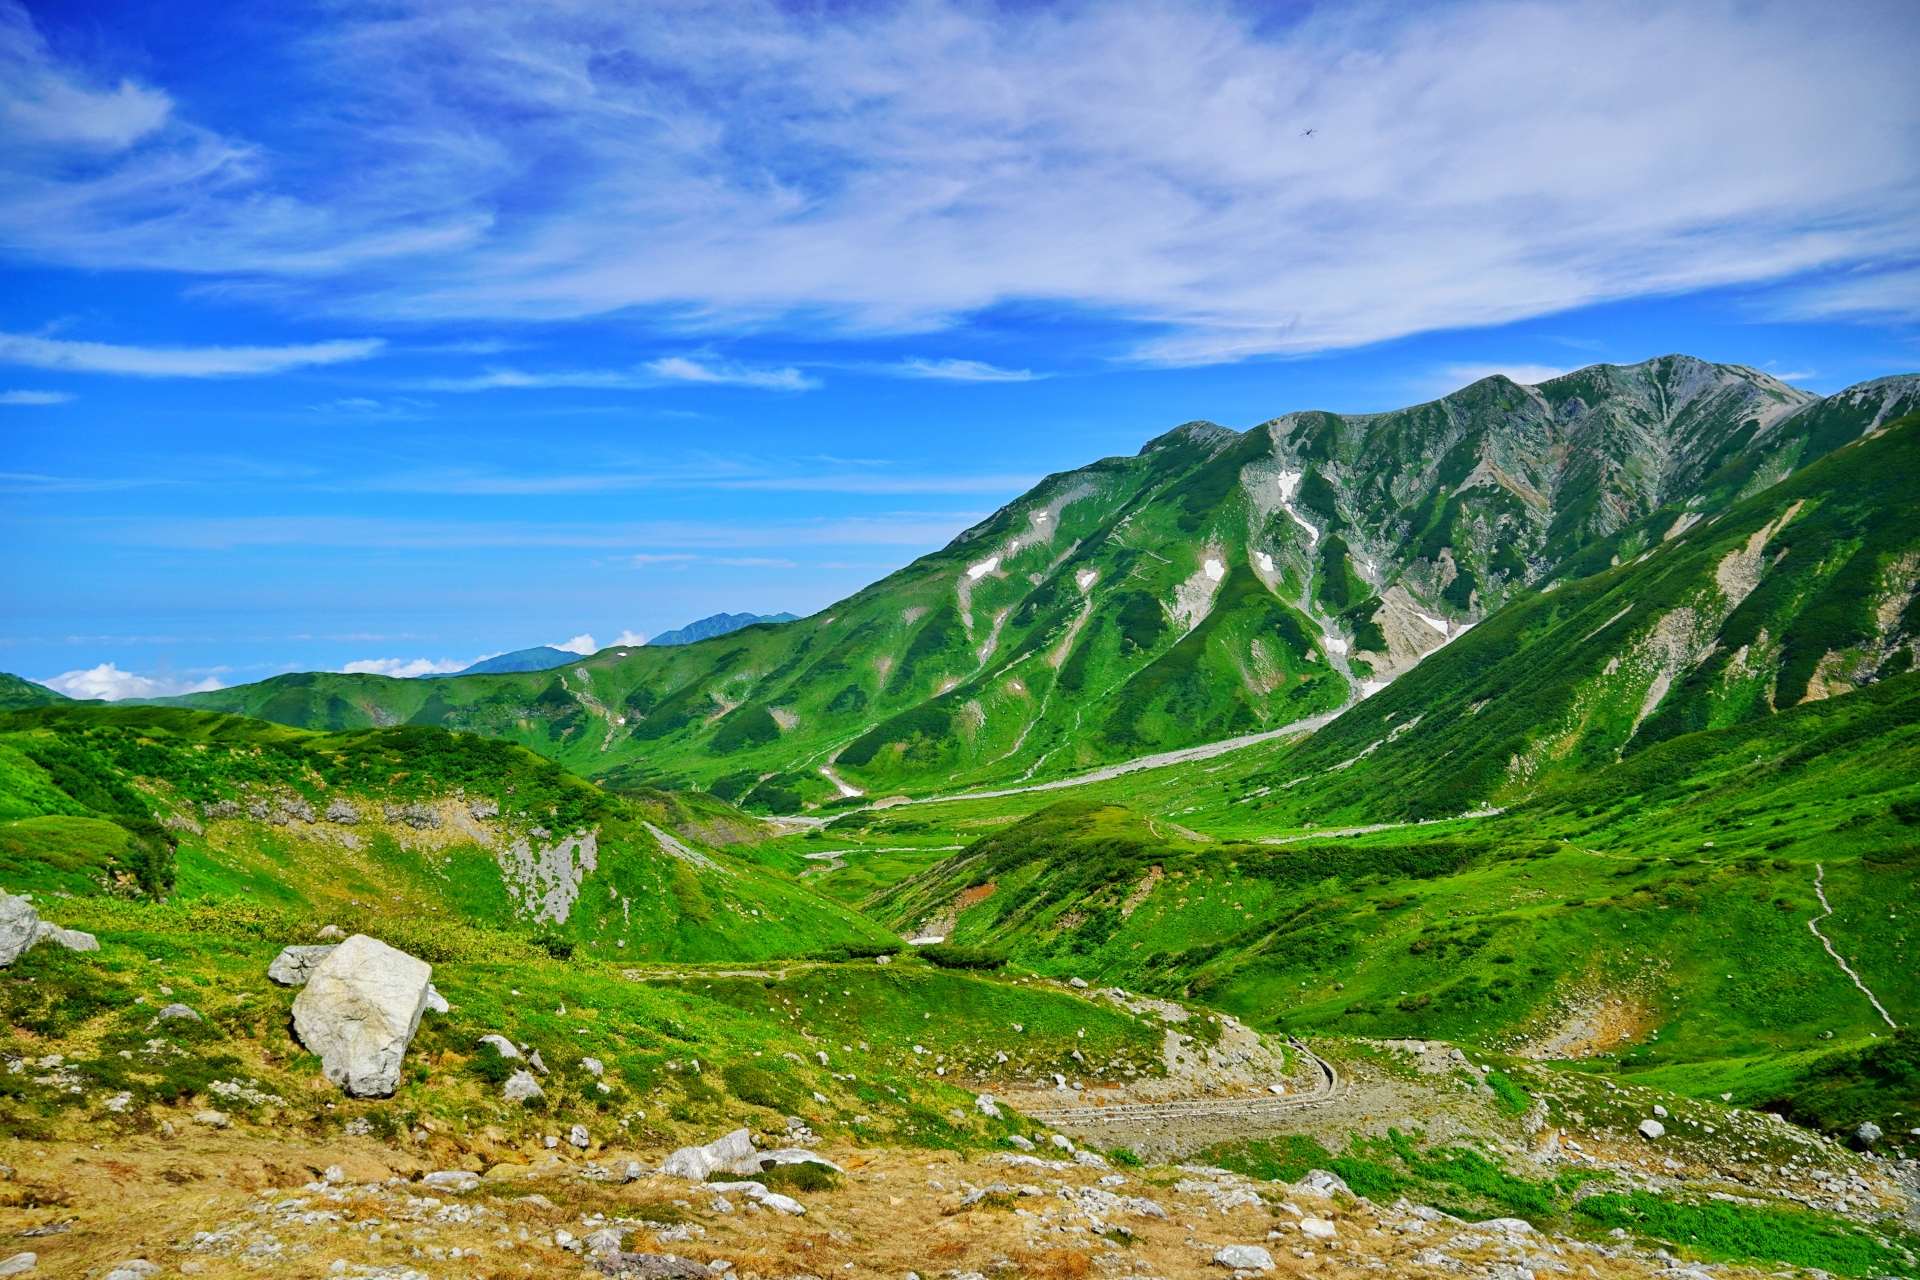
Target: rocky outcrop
522, 1087
359, 1011
19, 927
733, 1153
71, 939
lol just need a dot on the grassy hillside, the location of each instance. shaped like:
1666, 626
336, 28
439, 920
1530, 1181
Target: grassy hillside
1218, 584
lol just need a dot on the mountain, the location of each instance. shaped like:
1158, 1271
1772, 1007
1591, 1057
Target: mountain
1217, 585
15, 692
719, 624
540, 658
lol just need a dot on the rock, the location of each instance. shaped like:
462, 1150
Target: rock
593, 1066
1061, 1141
455, 1180
651, 1266
359, 1011
696, 1164
71, 939
501, 1045
1867, 1134
330, 931
721, 1204
986, 1104
17, 1263
1506, 1226
1020, 1142
212, 1119
579, 1137
133, 1269
19, 930
1652, 1129
418, 816
177, 1011
534, 1059
521, 1086
294, 965
1091, 1159
782, 1204
437, 1002
1079, 983
343, 812
606, 1242
1144, 1207
1319, 1228
1660, 1111
1319, 1182
1244, 1257
334, 1175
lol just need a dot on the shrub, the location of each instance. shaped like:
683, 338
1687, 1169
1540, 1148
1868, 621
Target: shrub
807, 1176
955, 957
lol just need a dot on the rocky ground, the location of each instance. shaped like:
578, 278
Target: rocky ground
218, 1205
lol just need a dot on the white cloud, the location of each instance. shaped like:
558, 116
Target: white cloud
908, 529
406, 668
628, 638
680, 369
581, 644
108, 681
653, 374
35, 397
177, 362
1530, 375
896, 166
960, 371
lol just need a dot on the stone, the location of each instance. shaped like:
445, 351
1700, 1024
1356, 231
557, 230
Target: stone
1319, 1228
605, 1242
723, 1154
1024, 1144
1077, 983
1091, 1159
1651, 1129
212, 1119
71, 939
1867, 1134
359, 1011
538, 1065
1144, 1207
19, 1262
133, 1269
1506, 1226
455, 1180
651, 1266
1244, 1257
987, 1107
19, 930
593, 1066
330, 931
294, 965
579, 1137
177, 1011
1061, 1141
521, 1086
501, 1045
1660, 1111
334, 1175
436, 1002
782, 1204
1319, 1182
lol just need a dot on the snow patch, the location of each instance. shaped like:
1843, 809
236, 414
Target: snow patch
1214, 570
1264, 560
1085, 578
976, 572
1436, 623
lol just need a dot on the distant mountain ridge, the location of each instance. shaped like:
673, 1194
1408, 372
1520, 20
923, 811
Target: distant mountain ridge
540, 658
719, 624
1215, 585
16, 692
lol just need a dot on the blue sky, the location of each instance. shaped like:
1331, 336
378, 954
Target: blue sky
398, 335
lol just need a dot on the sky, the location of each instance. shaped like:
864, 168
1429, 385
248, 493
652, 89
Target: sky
386, 337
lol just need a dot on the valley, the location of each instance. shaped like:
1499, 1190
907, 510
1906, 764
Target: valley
1487, 829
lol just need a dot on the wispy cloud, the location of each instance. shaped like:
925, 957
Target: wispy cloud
177, 362
229, 532
654, 373
960, 371
108, 681
632, 638
35, 397
896, 166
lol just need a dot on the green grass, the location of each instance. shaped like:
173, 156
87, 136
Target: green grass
1738, 1233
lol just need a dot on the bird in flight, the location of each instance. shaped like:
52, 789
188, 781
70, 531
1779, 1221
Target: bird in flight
1308, 133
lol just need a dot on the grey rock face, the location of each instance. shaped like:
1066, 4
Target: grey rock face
19, 927
343, 812
522, 1086
420, 817
359, 1011
732, 1153
294, 965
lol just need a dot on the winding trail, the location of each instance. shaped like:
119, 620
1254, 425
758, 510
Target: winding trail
1820, 875
1325, 1092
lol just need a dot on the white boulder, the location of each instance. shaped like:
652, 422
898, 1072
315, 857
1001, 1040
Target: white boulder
19, 927
1244, 1257
1652, 1129
1319, 1228
501, 1045
294, 965
359, 1011
437, 1002
521, 1086
732, 1153
455, 1180
19, 1263
71, 939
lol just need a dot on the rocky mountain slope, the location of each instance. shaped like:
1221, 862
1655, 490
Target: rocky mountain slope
1216, 585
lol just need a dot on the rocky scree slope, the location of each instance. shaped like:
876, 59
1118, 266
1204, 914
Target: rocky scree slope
1218, 584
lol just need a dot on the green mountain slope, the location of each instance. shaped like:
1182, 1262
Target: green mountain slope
15, 692
1218, 584
413, 828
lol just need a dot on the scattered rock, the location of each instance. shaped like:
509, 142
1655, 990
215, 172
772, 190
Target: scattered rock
579, 1137
521, 1086
1319, 1182
294, 965
761, 1161
436, 1002
359, 1011
1061, 1141
1244, 1257
343, 812
18, 1263
534, 1059
19, 930
1506, 1226
212, 1119
1091, 1159
177, 1011
334, 1175
651, 1266
1867, 1134
71, 939
1319, 1228
593, 1066
1020, 1142
732, 1153
1651, 1129
451, 1179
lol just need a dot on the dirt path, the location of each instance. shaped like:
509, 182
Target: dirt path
1819, 876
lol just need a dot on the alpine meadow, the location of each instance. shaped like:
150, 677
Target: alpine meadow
1509, 804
